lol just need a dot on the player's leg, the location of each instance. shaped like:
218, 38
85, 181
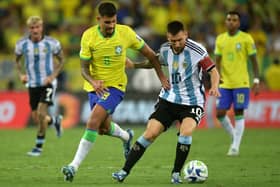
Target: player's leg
98, 115
182, 148
159, 121
223, 104
111, 128
190, 117
39, 141
241, 102
55, 121
101, 110
52, 120
153, 130
34, 98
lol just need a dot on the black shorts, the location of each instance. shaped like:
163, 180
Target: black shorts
167, 112
42, 94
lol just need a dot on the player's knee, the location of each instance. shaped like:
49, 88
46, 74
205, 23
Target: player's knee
220, 113
41, 116
239, 112
92, 123
150, 135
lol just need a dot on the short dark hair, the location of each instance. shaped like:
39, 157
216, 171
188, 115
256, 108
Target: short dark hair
107, 9
174, 27
233, 12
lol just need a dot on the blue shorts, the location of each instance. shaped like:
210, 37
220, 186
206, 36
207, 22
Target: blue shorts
108, 101
239, 97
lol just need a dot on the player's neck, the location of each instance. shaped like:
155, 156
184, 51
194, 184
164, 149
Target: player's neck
232, 32
36, 39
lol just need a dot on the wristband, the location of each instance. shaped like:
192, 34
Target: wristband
256, 81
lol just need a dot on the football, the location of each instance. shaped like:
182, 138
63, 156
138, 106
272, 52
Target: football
195, 171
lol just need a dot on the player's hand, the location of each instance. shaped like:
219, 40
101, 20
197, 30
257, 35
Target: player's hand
165, 82
99, 87
23, 78
214, 92
48, 80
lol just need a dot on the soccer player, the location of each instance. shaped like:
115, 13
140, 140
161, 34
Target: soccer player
103, 63
185, 60
39, 75
233, 50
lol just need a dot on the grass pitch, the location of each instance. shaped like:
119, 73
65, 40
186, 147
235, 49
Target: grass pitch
257, 166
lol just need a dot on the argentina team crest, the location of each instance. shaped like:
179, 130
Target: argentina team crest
185, 64
175, 65
118, 50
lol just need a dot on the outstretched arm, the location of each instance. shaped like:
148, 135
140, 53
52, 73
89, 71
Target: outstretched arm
137, 65
152, 57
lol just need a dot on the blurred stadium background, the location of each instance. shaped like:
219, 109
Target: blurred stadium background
67, 19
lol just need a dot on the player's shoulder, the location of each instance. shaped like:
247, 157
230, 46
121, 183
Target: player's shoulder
124, 29
50, 39
192, 42
222, 36
243, 34
22, 40
91, 30
195, 46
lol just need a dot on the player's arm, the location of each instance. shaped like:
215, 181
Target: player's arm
85, 70
59, 63
218, 60
131, 65
208, 65
152, 57
22, 75
215, 78
256, 80
98, 85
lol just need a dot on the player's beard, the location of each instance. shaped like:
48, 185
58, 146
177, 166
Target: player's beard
177, 50
109, 32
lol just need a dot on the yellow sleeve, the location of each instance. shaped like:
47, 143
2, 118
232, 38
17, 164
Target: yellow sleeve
85, 53
217, 50
137, 42
251, 47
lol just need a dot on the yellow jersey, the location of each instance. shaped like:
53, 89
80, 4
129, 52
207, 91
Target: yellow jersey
107, 56
234, 52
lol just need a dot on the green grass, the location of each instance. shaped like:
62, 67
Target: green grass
257, 166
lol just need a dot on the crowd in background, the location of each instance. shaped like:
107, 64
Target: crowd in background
67, 19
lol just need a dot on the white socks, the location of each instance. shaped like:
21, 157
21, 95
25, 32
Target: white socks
85, 145
239, 130
117, 131
236, 132
226, 123
83, 149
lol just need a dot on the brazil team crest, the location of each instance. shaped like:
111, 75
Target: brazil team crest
238, 46
118, 50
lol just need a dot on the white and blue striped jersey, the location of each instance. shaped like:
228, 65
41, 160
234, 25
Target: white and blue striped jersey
185, 73
38, 58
